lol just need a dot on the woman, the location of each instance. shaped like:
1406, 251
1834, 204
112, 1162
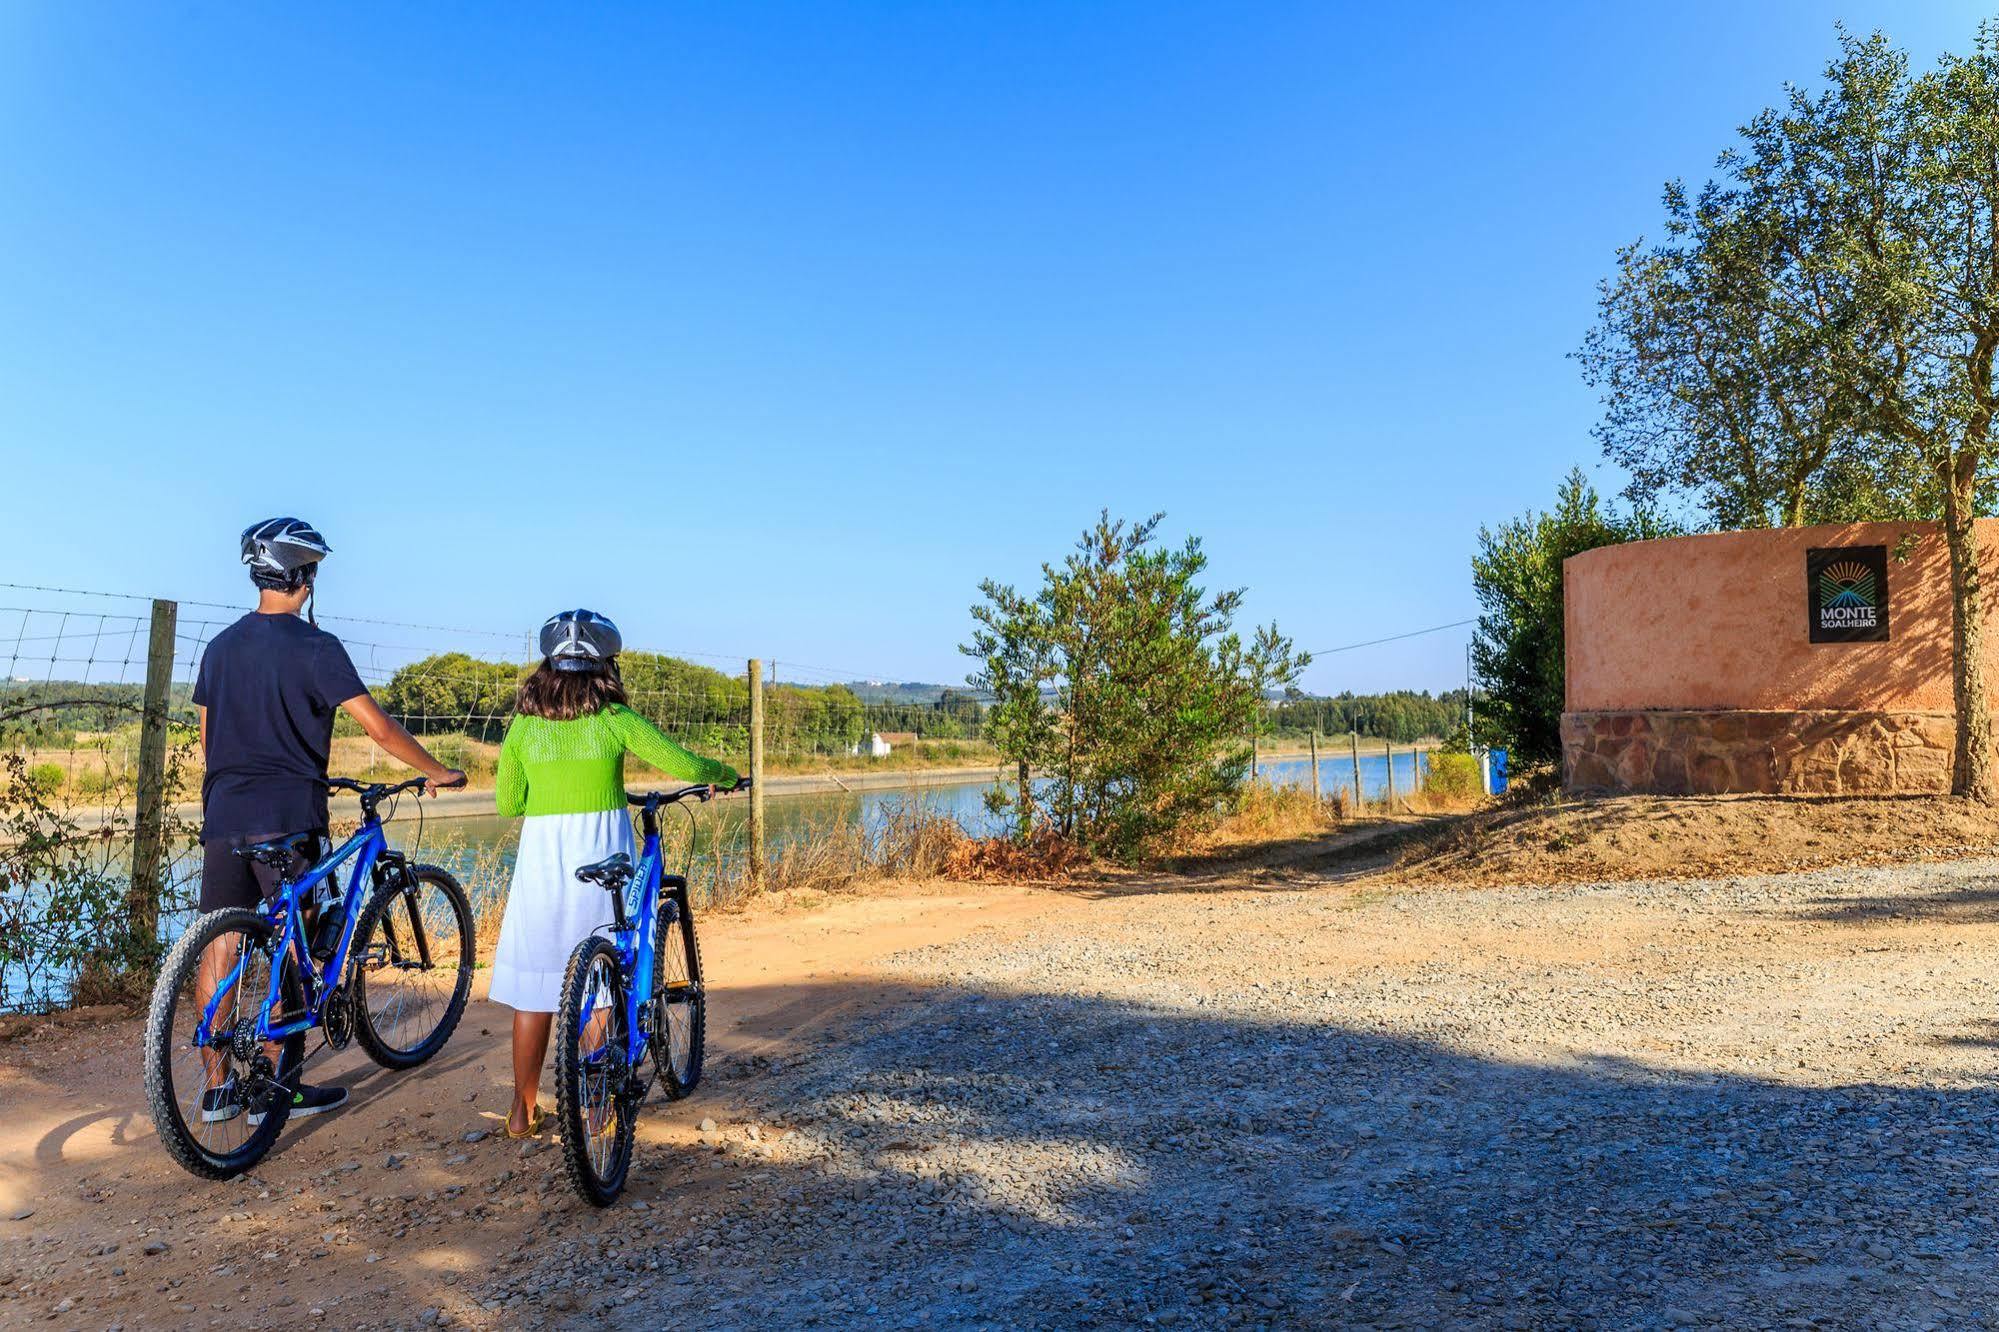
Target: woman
563, 765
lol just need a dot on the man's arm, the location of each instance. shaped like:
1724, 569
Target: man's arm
398, 743
204, 732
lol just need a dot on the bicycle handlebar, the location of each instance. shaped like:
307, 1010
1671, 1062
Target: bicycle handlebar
370, 792
703, 793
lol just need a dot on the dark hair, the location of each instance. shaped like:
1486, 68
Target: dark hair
567, 695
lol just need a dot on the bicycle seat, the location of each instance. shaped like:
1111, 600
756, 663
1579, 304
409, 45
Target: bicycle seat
612, 873
279, 851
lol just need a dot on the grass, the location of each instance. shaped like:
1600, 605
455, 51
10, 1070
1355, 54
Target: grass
829, 857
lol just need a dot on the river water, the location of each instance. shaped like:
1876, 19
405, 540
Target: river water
480, 850
458, 843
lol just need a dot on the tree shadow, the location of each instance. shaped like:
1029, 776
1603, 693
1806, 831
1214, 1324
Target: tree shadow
1055, 1160
951, 1156
1949, 895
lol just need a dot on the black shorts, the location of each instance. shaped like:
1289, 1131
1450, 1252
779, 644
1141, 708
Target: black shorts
230, 880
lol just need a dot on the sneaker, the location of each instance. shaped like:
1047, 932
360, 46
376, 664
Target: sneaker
309, 1101
221, 1104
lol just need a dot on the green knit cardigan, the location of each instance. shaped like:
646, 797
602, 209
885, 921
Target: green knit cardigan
578, 766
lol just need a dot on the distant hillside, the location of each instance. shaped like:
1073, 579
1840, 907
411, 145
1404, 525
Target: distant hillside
889, 691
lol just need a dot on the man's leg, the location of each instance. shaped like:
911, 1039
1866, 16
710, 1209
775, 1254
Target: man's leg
225, 882
306, 1100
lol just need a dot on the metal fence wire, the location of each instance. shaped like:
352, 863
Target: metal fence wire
74, 761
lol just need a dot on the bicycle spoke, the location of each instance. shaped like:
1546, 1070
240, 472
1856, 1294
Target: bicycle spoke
406, 997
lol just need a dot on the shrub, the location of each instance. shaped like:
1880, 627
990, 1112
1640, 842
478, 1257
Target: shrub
1517, 576
1452, 777
45, 777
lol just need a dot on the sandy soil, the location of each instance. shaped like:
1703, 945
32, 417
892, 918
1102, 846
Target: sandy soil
77, 1152
1273, 1096
1655, 837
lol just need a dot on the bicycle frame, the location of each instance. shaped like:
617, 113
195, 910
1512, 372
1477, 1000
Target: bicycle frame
366, 846
637, 941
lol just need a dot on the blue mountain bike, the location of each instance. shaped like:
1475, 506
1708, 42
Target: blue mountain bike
633, 1007
388, 963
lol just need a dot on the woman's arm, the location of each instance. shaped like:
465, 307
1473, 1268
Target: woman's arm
510, 779
647, 741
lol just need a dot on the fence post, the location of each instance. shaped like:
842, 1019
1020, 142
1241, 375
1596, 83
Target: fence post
1315, 765
757, 861
1388, 755
149, 833
1359, 800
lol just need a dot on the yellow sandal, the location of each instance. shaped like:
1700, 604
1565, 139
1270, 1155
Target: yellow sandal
536, 1124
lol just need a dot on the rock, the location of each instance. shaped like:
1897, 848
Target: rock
479, 1135
155, 1248
706, 1125
456, 1159
20, 1214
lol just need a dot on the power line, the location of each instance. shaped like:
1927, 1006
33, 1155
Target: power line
1393, 638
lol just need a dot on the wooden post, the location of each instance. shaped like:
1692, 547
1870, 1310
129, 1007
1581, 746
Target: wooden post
1252, 756
1359, 800
1388, 755
149, 834
1315, 765
758, 864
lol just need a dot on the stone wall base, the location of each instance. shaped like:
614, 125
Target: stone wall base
1788, 753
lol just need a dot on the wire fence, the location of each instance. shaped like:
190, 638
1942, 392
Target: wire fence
73, 733
78, 847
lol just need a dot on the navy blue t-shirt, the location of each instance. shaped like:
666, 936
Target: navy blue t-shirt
271, 684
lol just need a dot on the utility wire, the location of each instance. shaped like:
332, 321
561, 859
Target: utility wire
1393, 638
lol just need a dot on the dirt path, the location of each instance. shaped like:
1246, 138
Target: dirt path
1286, 1103
322, 1224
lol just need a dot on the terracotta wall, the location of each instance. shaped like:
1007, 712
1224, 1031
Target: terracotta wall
1719, 622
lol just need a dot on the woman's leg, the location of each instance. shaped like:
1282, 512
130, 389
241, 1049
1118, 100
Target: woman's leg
530, 1052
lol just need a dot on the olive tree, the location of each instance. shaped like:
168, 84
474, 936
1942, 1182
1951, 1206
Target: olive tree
1828, 319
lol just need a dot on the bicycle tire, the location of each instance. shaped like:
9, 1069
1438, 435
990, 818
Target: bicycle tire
379, 914
678, 1078
162, 1095
599, 1183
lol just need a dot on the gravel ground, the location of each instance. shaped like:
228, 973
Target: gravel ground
1758, 1102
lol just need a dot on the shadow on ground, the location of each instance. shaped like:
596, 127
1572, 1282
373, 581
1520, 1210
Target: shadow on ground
975, 1158
959, 1156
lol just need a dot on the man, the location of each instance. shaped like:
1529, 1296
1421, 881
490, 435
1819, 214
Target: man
267, 690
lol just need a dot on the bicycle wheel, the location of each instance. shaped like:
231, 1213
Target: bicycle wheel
204, 1095
411, 968
590, 1073
680, 1003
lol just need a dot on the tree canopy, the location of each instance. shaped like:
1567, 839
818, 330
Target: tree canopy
1518, 648
1125, 682
1816, 336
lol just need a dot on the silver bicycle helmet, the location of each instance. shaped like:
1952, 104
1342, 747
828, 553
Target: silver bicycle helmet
283, 553
579, 640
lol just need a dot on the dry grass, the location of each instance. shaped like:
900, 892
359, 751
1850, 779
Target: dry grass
1532, 837
1047, 857
909, 841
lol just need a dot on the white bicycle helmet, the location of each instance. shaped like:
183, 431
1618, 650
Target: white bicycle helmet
580, 640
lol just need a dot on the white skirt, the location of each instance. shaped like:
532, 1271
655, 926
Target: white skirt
549, 911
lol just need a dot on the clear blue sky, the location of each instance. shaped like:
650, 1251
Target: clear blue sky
775, 328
